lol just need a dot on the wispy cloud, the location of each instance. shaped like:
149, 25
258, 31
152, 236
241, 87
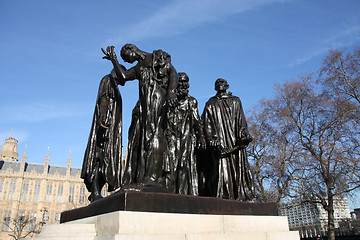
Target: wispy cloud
40, 111
310, 55
348, 33
347, 36
183, 15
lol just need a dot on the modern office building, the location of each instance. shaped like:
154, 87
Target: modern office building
311, 219
36, 193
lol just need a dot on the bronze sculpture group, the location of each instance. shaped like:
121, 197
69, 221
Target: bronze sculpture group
170, 146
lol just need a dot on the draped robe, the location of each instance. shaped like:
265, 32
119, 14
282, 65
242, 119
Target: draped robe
146, 148
224, 120
109, 154
181, 165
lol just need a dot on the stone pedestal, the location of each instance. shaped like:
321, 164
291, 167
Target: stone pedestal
131, 225
150, 216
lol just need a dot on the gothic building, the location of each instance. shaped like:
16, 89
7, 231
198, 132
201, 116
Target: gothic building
35, 193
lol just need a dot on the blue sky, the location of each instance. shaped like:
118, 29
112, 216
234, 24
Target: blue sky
51, 63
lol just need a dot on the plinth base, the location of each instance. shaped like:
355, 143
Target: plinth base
168, 203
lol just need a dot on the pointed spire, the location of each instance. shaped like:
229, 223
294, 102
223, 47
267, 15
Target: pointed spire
68, 164
69, 159
23, 158
11, 133
47, 158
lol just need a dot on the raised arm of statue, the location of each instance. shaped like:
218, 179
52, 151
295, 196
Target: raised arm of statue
122, 74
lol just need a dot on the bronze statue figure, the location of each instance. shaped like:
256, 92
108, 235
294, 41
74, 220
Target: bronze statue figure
184, 133
227, 137
157, 83
170, 147
102, 160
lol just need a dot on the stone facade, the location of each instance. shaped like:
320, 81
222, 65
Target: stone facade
36, 192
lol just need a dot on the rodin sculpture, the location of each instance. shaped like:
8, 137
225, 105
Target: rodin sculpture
227, 137
102, 160
172, 152
170, 147
157, 84
184, 134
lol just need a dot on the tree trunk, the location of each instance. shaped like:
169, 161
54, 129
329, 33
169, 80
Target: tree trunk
331, 224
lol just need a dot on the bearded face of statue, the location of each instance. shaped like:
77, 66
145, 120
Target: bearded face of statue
183, 86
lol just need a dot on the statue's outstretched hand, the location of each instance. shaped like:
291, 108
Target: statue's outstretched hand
109, 53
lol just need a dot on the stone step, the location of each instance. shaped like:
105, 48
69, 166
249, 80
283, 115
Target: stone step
143, 237
208, 236
75, 237
244, 235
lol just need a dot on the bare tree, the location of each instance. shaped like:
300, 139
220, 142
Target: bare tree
311, 127
341, 76
23, 227
329, 147
273, 153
